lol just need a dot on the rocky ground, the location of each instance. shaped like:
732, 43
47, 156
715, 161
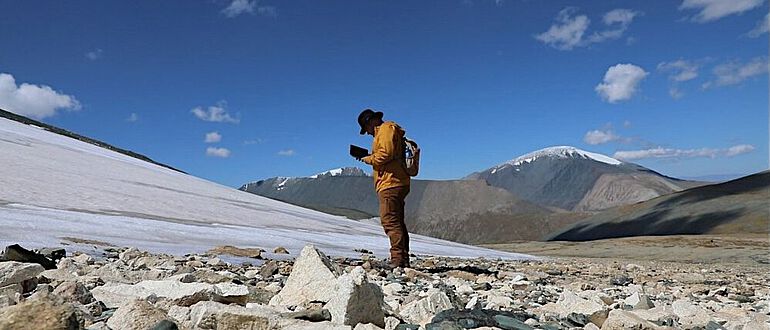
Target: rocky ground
123, 288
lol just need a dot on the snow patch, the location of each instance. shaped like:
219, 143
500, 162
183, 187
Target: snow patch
55, 186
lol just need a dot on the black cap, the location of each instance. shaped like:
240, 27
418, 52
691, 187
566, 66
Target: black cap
365, 116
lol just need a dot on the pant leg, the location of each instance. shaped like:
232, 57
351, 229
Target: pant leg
405, 241
392, 219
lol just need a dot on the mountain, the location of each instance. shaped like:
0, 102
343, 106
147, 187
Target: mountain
572, 179
458, 210
59, 190
731, 208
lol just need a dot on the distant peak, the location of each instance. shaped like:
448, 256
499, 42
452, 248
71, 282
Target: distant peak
342, 171
561, 152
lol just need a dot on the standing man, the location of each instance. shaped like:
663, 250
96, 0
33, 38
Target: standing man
390, 180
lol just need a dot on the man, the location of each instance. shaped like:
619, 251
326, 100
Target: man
390, 180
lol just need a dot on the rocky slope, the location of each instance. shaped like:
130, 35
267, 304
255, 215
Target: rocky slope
129, 289
573, 179
458, 210
735, 207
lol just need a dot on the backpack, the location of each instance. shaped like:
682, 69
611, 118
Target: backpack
411, 160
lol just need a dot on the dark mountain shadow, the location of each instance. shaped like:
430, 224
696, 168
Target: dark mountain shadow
651, 224
749, 184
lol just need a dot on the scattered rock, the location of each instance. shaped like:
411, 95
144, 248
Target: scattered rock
268, 269
136, 314
13, 272
356, 300
622, 320
17, 253
691, 315
423, 310
42, 313
184, 294
280, 250
478, 318
83, 259
312, 315
639, 301
313, 278
54, 254
74, 292
583, 309
214, 315
621, 280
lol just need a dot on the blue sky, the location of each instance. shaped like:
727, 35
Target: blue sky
677, 86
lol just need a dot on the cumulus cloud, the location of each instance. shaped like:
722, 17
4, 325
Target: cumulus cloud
735, 72
596, 136
213, 137
215, 113
621, 82
287, 153
569, 30
217, 152
671, 153
711, 10
132, 118
762, 27
36, 101
238, 7
95, 54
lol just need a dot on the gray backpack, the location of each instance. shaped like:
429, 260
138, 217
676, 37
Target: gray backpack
411, 158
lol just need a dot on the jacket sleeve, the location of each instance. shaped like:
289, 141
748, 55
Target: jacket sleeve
385, 150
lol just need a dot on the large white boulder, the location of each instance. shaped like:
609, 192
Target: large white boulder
312, 278
422, 311
214, 315
356, 300
136, 314
691, 315
569, 303
183, 294
621, 320
13, 272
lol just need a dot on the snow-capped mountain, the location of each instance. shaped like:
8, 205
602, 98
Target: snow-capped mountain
573, 179
459, 210
342, 171
56, 187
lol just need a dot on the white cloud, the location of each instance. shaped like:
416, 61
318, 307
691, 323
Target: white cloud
252, 142
36, 101
762, 27
569, 31
287, 153
95, 54
213, 137
735, 72
132, 118
620, 82
710, 10
600, 137
681, 70
238, 7
739, 150
670, 153
627, 123
215, 113
217, 152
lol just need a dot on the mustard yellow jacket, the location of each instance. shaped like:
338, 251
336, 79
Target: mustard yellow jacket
387, 151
